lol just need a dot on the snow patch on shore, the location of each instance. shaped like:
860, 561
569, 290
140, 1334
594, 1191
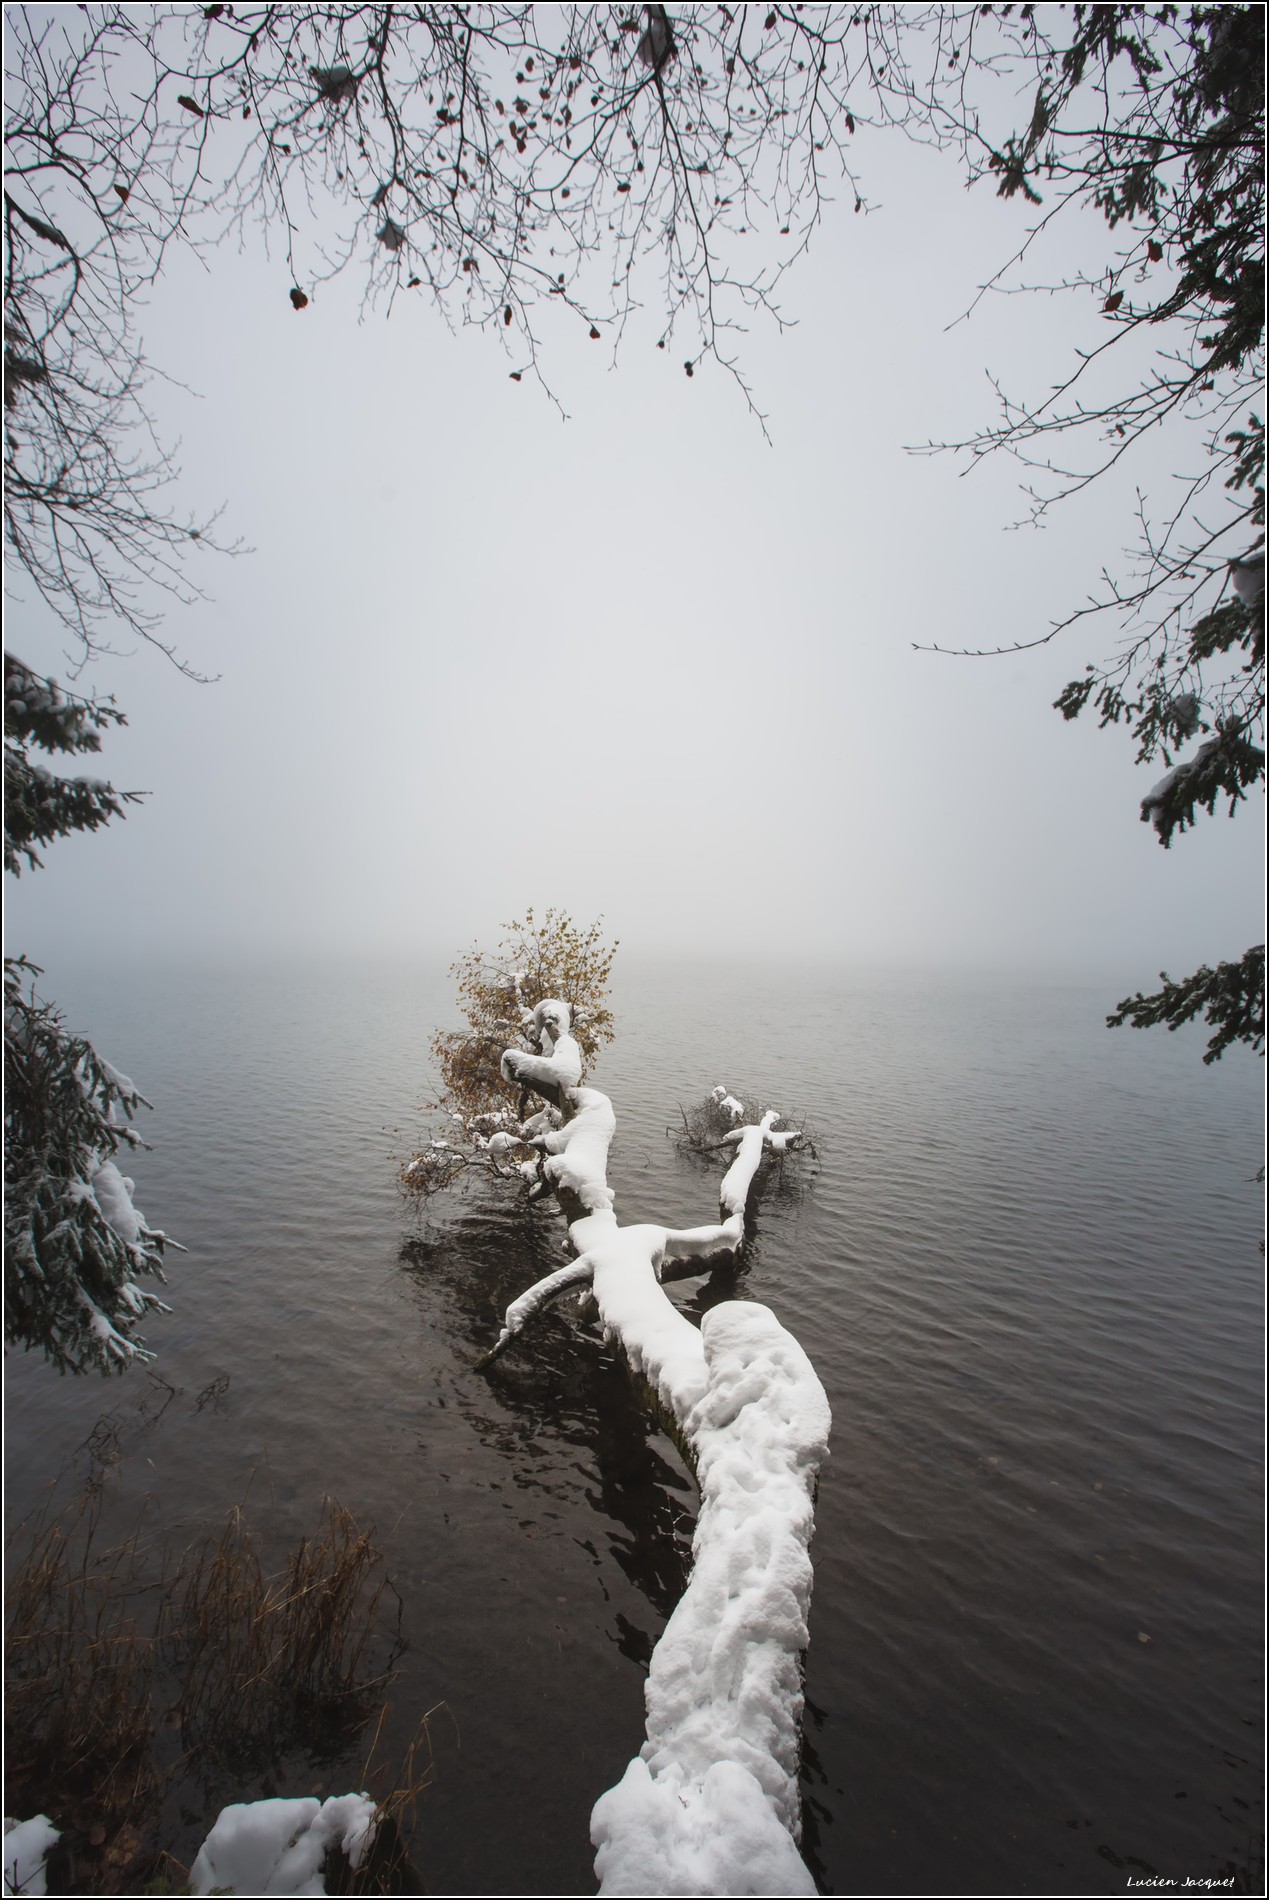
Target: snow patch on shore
26, 1843
278, 1847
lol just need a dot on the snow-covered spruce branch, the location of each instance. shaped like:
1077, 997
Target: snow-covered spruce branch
711, 1803
76, 1244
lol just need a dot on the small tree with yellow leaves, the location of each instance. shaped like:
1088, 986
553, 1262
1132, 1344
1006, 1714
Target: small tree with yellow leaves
536, 959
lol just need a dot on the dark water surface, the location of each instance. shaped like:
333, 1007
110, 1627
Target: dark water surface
1026, 1270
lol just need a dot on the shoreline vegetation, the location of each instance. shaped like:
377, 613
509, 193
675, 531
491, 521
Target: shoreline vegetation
138, 1670
139, 1675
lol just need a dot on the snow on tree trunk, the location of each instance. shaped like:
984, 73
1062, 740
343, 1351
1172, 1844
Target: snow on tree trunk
711, 1803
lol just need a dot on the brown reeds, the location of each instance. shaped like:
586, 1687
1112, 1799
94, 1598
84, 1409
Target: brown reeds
79, 1720
272, 1663
109, 1647
387, 1867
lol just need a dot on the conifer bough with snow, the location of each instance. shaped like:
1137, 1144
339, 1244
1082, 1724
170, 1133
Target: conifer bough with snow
76, 1246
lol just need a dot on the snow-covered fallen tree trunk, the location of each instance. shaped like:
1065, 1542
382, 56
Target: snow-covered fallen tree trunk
710, 1805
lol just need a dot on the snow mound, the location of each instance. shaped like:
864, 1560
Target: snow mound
662, 1836
25, 1845
278, 1847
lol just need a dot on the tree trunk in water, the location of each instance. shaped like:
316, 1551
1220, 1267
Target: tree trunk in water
711, 1803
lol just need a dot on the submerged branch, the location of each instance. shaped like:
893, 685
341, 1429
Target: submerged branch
542, 1293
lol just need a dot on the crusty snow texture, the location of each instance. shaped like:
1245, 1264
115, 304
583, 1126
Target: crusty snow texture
710, 1805
277, 1847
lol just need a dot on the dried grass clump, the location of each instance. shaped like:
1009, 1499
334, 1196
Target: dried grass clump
79, 1704
271, 1663
130, 1673
387, 1868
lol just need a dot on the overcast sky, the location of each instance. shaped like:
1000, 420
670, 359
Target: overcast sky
638, 663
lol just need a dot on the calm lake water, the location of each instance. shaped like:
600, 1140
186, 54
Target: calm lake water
1025, 1267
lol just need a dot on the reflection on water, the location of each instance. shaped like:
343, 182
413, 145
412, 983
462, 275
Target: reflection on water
817, 1812
561, 1403
1025, 1270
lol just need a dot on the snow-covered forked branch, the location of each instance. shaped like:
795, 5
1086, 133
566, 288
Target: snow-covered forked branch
711, 1803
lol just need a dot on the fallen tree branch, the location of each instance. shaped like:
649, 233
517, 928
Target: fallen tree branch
520, 1312
711, 1804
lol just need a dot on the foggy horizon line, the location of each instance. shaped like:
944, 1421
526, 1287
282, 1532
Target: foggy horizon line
435, 958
